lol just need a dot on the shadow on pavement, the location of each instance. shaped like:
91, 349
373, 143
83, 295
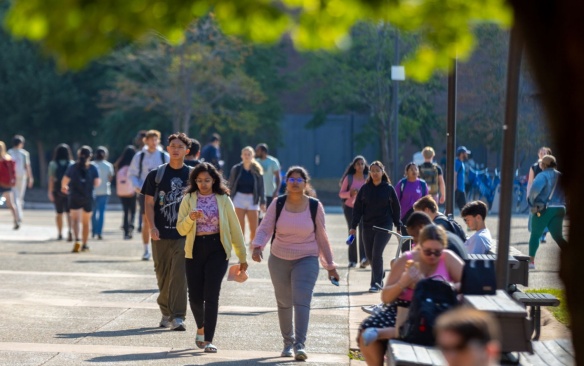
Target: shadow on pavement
105, 261
145, 356
45, 253
130, 291
271, 361
112, 333
328, 294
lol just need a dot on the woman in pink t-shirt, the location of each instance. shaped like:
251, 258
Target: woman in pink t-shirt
353, 179
430, 258
298, 244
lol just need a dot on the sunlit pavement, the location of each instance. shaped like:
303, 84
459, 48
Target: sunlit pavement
63, 308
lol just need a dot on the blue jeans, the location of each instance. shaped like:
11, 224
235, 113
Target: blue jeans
100, 203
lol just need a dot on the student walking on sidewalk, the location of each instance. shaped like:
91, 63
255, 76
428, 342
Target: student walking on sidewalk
352, 180
377, 204
163, 191
78, 183
300, 238
62, 159
126, 190
102, 192
207, 218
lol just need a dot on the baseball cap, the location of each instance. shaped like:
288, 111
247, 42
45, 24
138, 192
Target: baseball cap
462, 149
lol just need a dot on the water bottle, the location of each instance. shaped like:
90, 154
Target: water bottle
350, 239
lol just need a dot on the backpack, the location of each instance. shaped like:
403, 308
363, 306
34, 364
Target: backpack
124, 186
451, 225
432, 297
430, 176
59, 173
349, 183
312, 203
7, 173
162, 157
80, 182
402, 185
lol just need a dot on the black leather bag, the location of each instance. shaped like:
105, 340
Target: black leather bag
478, 277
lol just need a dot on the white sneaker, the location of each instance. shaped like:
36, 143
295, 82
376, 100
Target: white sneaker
147, 255
165, 322
178, 324
372, 309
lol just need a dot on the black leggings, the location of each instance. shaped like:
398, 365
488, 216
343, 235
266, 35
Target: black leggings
129, 207
375, 243
204, 276
348, 211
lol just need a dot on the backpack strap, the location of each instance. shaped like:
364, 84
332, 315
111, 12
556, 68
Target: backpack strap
424, 187
159, 174
402, 185
281, 201
349, 182
162, 157
140, 164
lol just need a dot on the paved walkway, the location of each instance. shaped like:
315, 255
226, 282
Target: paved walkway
60, 308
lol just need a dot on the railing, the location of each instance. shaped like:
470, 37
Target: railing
400, 238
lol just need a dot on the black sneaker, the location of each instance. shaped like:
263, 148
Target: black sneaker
364, 263
85, 248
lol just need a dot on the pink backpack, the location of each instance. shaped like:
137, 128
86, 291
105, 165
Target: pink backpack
124, 186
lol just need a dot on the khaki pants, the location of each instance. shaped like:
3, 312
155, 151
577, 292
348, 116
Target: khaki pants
169, 265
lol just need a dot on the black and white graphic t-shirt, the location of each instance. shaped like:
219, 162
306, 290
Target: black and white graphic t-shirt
167, 201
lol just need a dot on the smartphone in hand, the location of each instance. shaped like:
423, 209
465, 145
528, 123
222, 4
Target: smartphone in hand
334, 281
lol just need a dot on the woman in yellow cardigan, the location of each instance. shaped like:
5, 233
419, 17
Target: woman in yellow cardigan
207, 218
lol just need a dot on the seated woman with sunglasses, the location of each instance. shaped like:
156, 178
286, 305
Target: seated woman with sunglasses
431, 258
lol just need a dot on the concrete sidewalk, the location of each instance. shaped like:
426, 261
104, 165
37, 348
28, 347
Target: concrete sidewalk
60, 308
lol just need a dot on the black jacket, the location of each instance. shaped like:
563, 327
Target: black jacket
259, 197
377, 205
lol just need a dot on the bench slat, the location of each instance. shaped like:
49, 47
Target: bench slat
561, 355
406, 354
546, 356
532, 359
566, 344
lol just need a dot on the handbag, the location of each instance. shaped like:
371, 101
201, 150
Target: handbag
478, 277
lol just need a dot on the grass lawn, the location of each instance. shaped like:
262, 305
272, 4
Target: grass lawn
559, 312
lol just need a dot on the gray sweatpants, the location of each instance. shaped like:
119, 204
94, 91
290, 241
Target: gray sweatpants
169, 265
293, 282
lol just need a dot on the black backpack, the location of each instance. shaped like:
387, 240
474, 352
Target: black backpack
451, 225
59, 174
432, 297
281, 200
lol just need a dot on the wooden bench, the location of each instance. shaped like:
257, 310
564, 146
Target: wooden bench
400, 353
512, 318
518, 267
535, 301
549, 353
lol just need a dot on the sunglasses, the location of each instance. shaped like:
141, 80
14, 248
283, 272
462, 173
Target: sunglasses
430, 252
295, 180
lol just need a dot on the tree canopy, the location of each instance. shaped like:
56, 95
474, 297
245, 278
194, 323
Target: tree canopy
76, 32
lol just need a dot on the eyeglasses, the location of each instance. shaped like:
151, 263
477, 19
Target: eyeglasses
295, 180
430, 252
204, 181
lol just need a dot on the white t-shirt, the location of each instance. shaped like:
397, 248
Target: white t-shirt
22, 159
480, 242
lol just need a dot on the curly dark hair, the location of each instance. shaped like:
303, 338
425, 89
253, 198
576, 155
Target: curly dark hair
219, 186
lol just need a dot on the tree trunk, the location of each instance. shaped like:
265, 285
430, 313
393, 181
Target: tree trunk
42, 164
553, 32
385, 145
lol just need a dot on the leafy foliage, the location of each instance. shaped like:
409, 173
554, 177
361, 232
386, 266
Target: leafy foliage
359, 80
79, 31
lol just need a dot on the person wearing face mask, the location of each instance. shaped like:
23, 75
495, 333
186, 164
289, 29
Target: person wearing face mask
430, 258
468, 337
246, 183
377, 205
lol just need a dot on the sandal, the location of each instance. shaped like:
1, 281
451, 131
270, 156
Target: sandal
200, 341
369, 336
210, 348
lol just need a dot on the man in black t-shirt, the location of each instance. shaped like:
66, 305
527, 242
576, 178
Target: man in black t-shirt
163, 192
